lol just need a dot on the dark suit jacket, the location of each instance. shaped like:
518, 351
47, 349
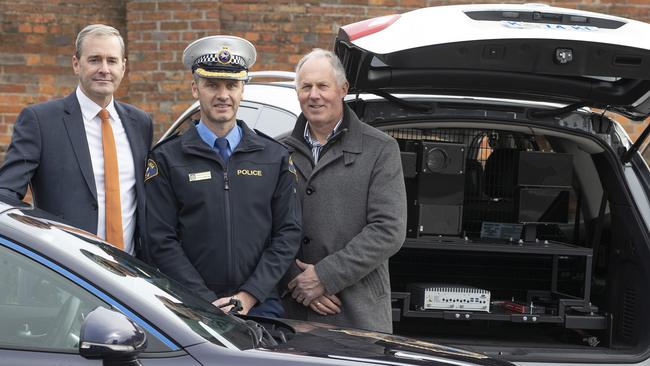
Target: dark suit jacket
49, 151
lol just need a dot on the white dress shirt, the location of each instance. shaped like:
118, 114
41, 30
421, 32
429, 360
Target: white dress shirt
92, 124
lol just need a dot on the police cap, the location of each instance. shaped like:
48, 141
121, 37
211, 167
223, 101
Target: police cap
220, 57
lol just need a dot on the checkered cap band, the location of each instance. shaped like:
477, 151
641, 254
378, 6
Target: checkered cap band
217, 59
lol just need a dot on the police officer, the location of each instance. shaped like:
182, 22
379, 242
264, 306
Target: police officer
222, 209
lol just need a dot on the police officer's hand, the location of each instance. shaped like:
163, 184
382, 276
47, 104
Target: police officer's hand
326, 305
306, 286
247, 302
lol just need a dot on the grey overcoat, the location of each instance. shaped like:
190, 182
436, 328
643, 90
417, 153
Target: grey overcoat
354, 219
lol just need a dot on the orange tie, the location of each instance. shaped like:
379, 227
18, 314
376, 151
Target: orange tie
114, 233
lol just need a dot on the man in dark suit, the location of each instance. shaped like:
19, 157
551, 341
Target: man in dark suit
83, 156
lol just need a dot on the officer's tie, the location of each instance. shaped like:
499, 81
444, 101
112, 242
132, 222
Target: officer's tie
222, 145
114, 233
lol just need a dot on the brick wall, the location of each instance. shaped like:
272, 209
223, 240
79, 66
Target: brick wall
158, 33
36, 46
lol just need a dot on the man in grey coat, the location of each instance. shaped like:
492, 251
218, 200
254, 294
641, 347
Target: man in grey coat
353, 199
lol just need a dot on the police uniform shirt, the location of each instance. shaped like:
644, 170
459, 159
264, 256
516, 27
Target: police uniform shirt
233, 136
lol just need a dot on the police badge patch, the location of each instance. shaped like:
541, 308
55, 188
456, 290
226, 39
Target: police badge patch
292, 168
152, 170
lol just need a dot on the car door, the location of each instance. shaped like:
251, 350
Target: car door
41, 312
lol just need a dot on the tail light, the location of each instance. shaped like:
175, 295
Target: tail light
369, 26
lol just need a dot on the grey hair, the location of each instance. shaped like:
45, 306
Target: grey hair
96, 30
337, 66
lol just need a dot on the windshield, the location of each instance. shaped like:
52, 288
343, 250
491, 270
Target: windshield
149, 285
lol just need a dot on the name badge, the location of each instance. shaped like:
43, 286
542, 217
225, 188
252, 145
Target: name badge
200, 176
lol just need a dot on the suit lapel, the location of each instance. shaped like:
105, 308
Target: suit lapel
74, 124
135, 142
331, 156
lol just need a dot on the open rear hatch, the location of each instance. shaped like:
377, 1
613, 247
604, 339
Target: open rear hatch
571, 284
509, 51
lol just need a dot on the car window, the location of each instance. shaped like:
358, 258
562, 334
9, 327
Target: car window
275, 122
158, 290
40, 309
249, 113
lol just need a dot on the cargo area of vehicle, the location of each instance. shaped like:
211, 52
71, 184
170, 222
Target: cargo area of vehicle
522, 242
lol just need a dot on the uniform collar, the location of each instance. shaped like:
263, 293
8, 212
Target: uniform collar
192, 142
233, 136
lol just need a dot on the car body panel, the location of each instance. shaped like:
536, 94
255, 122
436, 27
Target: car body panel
442, 50
416, 28
128, 286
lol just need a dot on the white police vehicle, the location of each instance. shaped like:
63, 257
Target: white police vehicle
521, 186
269, 105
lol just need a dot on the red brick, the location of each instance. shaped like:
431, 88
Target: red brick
157, 56
47, 89
188, 15
141, 6
12, 88
173, 46
383, 2
143, 88
157, 15
133, 16
172, 66
10, 108
234, 8
147, 46
204, 24
142, 26
143, 66
173, 87
173, 5
39, 29
173, 26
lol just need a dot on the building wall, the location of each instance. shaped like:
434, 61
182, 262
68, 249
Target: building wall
37, 37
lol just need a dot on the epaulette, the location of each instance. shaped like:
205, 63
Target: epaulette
260, 133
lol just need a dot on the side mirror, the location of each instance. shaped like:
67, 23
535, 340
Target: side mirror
111, 336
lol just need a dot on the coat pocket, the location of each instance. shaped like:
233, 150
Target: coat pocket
374, 282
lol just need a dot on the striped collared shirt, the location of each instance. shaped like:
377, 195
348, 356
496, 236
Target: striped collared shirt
313, 142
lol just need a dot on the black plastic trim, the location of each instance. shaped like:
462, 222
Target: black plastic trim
544, 17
